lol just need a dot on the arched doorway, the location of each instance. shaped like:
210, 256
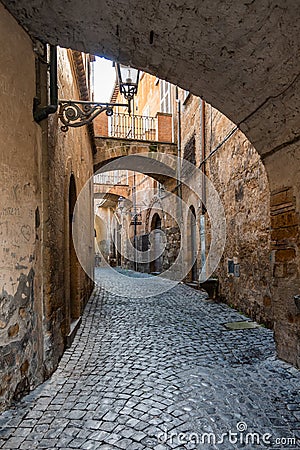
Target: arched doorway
102, 243
74, 298
192, 244
156, 263
116, 256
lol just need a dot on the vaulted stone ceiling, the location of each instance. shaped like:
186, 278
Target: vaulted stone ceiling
241, 56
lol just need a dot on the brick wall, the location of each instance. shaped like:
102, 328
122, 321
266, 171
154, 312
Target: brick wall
101, 125
164, 127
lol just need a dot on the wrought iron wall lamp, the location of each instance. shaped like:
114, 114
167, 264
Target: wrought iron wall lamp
76, 113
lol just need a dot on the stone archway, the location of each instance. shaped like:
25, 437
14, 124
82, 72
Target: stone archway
241, 57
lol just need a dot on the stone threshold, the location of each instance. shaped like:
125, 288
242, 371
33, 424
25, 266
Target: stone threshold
73, 330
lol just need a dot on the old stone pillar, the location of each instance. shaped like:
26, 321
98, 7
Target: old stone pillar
283, 168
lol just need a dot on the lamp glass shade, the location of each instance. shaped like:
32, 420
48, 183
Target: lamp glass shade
128, 79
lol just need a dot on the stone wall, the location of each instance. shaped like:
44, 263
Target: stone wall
243, 57
34, 218
239, 177
113, 148
69, 155
20, 211
284, 178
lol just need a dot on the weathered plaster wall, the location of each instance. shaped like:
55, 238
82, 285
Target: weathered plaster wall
20, 211
35, 270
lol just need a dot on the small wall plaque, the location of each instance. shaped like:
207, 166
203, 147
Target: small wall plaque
230, 267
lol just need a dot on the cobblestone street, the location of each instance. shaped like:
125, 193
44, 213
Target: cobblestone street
158, 373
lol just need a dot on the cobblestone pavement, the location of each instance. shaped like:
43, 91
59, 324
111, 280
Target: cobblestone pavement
158, 373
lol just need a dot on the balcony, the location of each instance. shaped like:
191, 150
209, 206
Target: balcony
134, 127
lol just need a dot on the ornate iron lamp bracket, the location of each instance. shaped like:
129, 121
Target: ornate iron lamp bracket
75, 114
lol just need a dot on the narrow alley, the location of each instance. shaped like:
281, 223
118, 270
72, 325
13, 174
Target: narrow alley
162, 139
158, 373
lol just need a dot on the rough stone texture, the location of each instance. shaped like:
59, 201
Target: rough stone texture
173, 241
116, 227
33, 220
104, 234
242, 57
258, 288
284, 178
109, 149
142, 371
240, 178
68, 154
156, 202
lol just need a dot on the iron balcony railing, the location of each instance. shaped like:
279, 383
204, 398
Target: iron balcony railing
112, 177
133, 127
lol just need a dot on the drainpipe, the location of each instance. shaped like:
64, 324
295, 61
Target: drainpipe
179, 187
202, 112
132, 112
42, 112
179, 162
173, 112
203, 193
135, 220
